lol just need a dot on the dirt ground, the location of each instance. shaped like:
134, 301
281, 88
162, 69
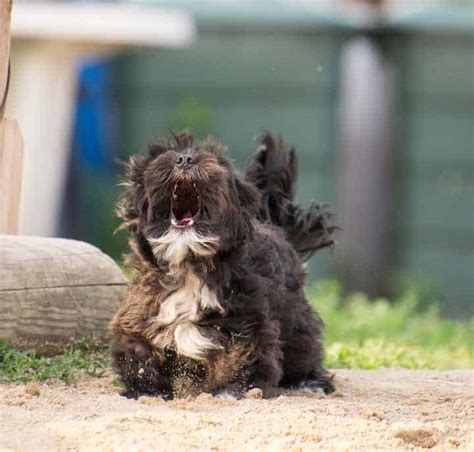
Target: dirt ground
384, 409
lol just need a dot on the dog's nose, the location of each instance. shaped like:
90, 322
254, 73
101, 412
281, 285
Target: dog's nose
184, 160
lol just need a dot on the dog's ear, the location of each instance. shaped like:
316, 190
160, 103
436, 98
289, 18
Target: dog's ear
249, 196
134, 208
133, 203
246, 205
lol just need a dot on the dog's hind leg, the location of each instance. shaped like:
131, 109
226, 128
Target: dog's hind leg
303, 357
321, 382
304, 371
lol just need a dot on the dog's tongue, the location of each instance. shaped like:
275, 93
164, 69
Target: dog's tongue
186, 219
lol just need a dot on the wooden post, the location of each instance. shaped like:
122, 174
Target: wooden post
11, 143
5, 16
365, 168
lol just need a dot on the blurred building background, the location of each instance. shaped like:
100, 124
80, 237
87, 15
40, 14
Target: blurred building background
378, 98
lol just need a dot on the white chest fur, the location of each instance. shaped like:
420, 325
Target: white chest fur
188, 302
175, 245
179, 314
185, 306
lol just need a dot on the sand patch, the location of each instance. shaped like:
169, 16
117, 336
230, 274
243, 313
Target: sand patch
383, 409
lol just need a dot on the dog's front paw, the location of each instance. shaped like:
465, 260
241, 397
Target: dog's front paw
227, 394
130, 394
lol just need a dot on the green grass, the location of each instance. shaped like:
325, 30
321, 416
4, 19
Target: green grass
360, 334
366, 334
81, 357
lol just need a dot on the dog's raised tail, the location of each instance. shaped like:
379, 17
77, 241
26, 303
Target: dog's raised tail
273, 170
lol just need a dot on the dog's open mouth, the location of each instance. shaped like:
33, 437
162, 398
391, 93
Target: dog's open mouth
185, 204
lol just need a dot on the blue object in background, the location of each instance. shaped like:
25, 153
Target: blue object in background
89, 202
91, 139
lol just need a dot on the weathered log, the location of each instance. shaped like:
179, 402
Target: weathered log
55, 290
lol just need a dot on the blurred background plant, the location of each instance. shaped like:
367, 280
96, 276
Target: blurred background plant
407, 332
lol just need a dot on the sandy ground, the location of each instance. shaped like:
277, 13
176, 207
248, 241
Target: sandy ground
384, 409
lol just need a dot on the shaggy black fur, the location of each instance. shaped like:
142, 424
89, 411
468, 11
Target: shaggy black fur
263, 330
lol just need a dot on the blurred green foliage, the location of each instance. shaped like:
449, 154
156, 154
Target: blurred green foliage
193, 114
368, 334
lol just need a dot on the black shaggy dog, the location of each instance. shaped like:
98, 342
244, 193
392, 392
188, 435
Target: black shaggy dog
217, 304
